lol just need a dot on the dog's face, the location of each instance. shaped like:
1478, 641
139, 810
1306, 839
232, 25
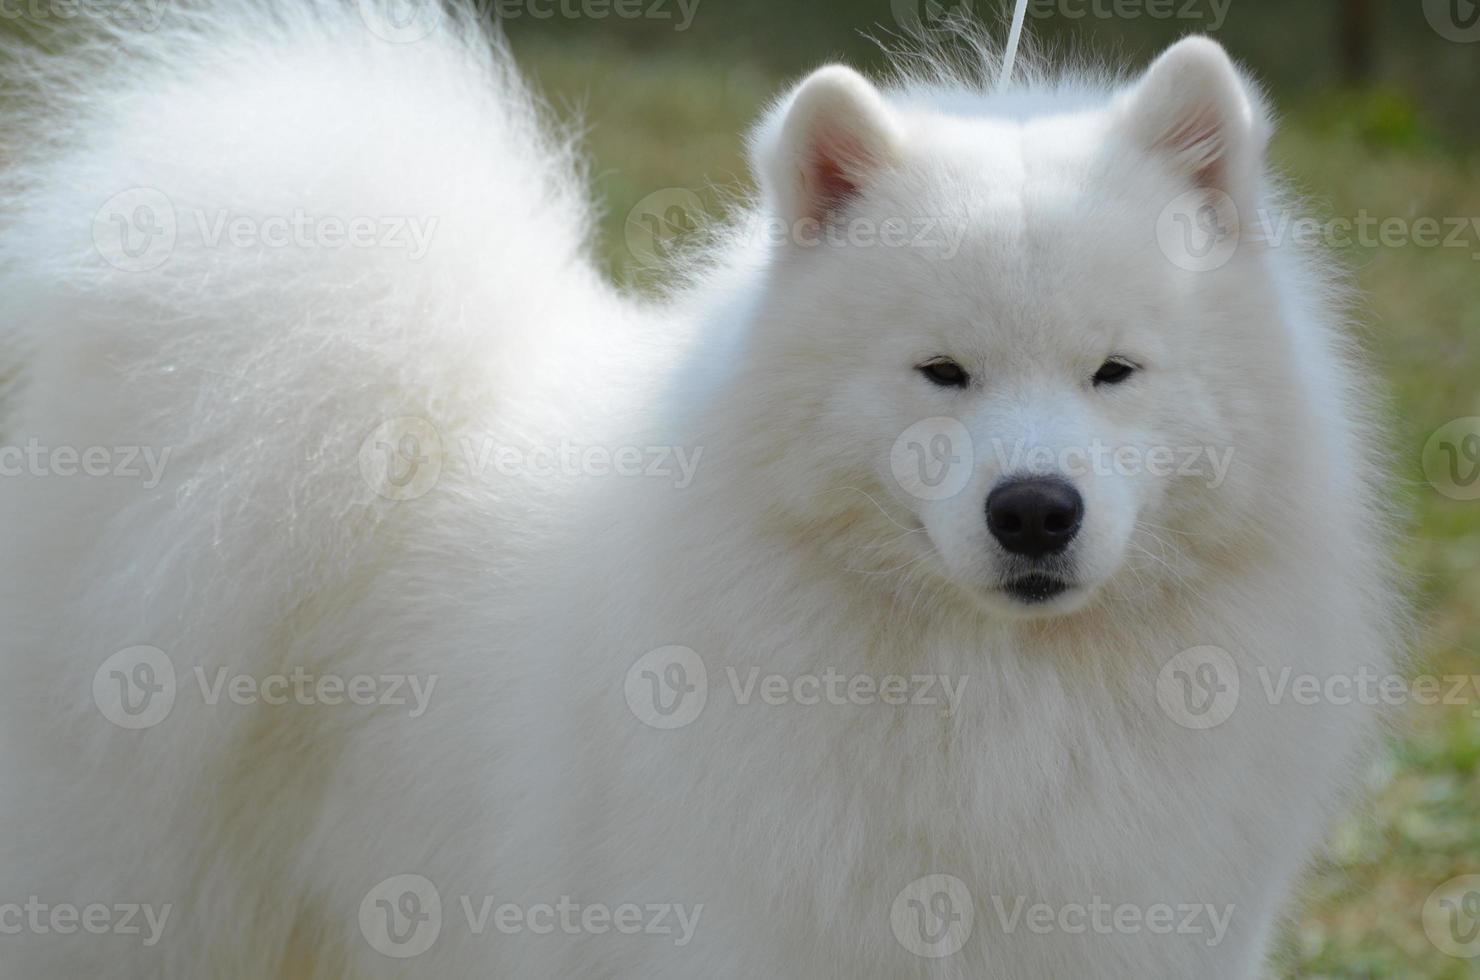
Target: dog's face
986, 328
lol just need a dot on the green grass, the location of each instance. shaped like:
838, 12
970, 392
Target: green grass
671, 120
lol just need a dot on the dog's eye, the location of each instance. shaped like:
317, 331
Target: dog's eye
946, 373
1113, 372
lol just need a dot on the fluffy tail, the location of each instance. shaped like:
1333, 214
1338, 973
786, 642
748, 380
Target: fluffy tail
245, 234
236, 246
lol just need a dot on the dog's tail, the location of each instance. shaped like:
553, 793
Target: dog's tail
259, 261
242, 235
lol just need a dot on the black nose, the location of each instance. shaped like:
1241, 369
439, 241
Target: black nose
1035, 516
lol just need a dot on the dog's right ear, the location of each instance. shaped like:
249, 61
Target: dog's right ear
1194, 109
823, 143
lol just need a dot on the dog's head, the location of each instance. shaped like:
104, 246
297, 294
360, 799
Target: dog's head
1020, 350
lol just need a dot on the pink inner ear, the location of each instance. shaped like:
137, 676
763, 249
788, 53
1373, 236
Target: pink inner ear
1197, 142
831, 172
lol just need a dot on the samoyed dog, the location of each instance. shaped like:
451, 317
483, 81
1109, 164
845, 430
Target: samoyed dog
914, 591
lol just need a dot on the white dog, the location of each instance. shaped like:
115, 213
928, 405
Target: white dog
913, 593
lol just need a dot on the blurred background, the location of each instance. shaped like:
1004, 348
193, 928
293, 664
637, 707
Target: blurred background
1380, 107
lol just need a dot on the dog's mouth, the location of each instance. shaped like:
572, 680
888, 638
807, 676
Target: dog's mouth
1035, 590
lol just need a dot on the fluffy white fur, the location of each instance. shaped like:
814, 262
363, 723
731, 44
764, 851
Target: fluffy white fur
263, 370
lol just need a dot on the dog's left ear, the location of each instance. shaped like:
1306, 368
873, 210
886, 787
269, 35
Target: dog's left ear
1193, 108
823, 143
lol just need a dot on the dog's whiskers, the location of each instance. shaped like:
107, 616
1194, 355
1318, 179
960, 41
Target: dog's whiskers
858, 490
